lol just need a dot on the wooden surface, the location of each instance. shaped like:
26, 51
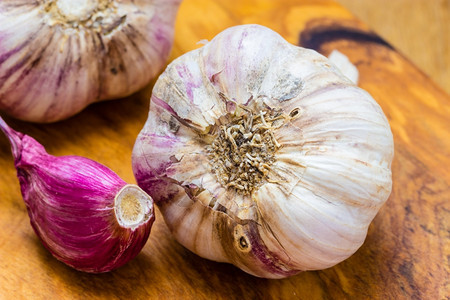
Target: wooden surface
420, 29
406, 253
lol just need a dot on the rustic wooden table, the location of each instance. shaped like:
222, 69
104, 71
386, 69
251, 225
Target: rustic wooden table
405, 255
420, 29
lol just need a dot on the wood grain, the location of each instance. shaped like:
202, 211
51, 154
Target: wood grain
420, 29
405, 255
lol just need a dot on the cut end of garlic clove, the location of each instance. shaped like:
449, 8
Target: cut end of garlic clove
133, 207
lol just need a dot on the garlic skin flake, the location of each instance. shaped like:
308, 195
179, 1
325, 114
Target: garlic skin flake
58, 56
84, 213
262, 154
344, 65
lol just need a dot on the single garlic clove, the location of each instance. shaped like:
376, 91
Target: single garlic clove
58, 56
84, 214
264, 155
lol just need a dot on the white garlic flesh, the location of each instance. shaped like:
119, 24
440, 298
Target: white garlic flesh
262, 154
58, 56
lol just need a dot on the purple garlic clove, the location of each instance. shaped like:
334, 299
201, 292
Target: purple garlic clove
84, 213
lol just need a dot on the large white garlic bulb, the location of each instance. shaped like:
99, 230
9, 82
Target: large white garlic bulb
262, 154
58, 56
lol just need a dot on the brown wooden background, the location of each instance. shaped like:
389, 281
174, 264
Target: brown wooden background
406, 254
420, 29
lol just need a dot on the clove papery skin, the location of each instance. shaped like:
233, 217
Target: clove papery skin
84, 213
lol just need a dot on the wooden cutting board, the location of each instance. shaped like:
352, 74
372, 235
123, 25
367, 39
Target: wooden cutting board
406, 254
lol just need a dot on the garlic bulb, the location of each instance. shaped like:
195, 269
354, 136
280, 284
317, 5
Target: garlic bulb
262, 154
84, 214
58, 56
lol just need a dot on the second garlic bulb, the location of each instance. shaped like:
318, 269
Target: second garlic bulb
58, 56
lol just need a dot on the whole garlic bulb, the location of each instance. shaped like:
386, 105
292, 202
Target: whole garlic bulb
262, 154
58, 56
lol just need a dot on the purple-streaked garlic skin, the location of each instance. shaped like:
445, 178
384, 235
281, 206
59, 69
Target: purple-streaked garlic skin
314, 170
52, 67
71, 205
